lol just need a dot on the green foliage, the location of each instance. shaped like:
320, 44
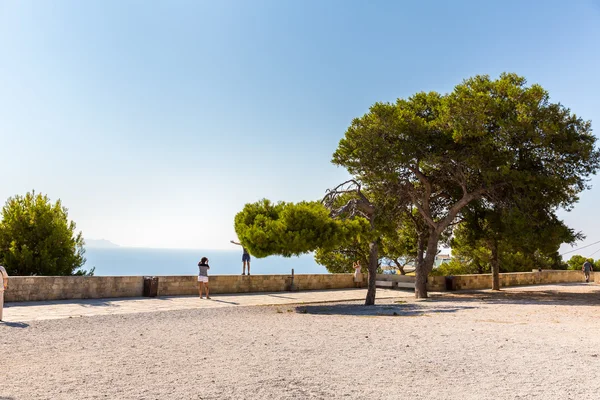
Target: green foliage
576, 262
519, 141
497, 145
455, 267
484, 137
498, 141
36, 238
526, 232
477, 260
525, 242
341, 259
290, 229
397, 245
469, 252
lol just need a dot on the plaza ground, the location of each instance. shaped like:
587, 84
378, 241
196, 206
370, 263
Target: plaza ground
536, 342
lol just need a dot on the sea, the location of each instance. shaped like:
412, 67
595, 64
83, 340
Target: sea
128, 261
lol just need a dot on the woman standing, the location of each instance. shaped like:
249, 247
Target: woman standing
358, 276
203, 276
3, 287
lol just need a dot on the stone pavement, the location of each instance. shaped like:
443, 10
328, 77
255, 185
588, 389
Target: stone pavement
58, 309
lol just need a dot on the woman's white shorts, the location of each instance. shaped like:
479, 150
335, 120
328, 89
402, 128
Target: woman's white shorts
202, 278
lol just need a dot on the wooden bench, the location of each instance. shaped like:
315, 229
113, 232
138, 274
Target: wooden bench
408, 285
394, 285
386, 284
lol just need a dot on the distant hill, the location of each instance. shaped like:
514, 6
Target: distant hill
100, 243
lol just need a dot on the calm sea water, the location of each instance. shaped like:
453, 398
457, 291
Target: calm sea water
137, 261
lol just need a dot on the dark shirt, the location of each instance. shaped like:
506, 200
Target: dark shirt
203, 269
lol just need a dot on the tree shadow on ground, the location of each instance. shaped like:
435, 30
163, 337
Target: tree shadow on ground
81, 302
103, 302
281, 297
13, 325
223, 301
564, 295
385, 310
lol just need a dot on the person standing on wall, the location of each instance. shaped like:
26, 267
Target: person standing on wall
245, 258
586, 268
203, 268
3, 287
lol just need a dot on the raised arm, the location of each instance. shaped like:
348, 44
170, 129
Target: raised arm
239, 244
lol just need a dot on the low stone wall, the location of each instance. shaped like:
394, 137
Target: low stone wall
437, 283
484, 281
39, 288
187, 285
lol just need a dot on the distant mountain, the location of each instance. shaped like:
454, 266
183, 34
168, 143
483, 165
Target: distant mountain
100, 243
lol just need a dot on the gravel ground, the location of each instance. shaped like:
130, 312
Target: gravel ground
532, 343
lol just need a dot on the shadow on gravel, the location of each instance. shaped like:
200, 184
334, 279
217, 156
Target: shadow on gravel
281, 297
227, 302
81, 302
105, 302
385, 310
14, 325
525, 296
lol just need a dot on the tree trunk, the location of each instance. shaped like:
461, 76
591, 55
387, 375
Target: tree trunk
495, 266
400, 267
420, 284
420, 251
425, 266
373, 258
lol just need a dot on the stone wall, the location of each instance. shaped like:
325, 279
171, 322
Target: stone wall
484, 281
38, 288
437, 283
184, 285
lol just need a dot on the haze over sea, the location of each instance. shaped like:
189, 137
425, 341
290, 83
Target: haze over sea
147, 261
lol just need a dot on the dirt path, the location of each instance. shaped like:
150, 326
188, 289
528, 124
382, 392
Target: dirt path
526, 343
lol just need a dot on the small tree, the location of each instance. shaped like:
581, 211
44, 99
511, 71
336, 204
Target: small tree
396, 250
37, 238
347, 200
527, 234
292, 229
399, 247
340, 259
345, 218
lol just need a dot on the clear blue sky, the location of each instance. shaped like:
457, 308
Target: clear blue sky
155, 122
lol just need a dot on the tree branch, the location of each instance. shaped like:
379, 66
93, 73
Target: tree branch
454, 210
361, 206
427, 185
